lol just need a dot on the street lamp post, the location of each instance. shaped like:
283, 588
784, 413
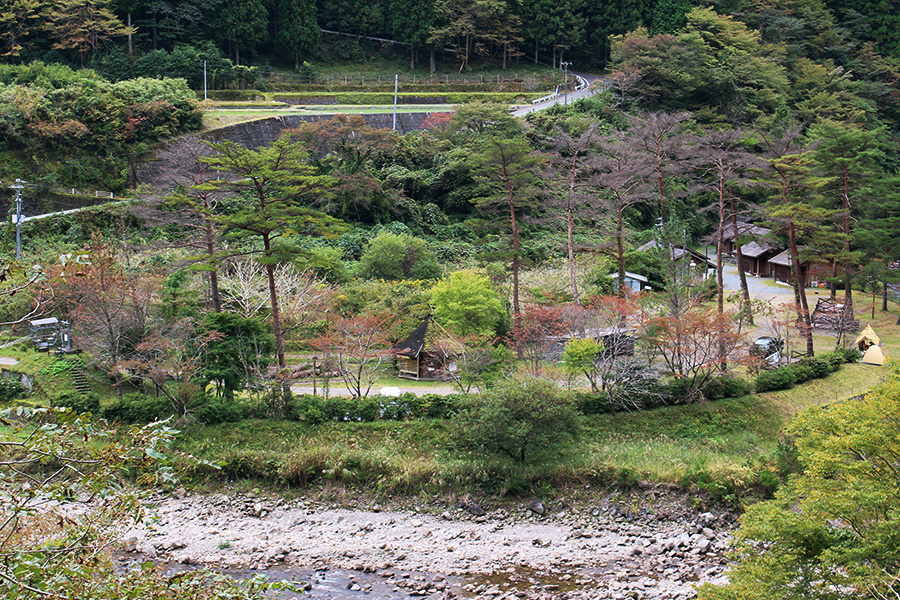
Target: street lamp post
18, 186
315, 366
565, 65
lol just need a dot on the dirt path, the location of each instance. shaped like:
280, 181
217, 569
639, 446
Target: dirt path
340, 390
645, 546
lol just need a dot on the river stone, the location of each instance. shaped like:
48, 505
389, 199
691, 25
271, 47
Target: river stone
538, 507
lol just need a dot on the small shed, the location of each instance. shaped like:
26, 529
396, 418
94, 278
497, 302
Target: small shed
50, 333
633, 281
617, 341
426, 354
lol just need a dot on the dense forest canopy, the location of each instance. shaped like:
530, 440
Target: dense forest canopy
287, 31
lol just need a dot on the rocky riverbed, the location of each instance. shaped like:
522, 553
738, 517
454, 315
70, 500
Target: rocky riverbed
643, 546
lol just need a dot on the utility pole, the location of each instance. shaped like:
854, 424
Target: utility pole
18, 186
396, 85
204, 80
565, 65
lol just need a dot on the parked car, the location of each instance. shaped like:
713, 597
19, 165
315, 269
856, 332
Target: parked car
769, 349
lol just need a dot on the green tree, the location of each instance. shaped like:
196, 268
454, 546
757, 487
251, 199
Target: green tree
467, 304
244, 348
524, 419
580, 356
19, 22
831, 532
555, 24
792, 164
411, 21
83, 25
298, 31
503, 159
242, 23
475, 27
281, 184
848, 155
392, 256
669, 16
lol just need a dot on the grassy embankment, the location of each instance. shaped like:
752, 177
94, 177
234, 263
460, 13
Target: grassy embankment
371, 91
725, 443
721, 446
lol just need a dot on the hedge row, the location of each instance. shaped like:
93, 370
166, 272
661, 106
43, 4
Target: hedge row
806, 369
387, 98
143, 408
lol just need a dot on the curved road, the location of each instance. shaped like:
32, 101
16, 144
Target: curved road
585, 89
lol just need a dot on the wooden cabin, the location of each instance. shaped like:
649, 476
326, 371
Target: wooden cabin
756, 257
745, 230
812, 273
425, 354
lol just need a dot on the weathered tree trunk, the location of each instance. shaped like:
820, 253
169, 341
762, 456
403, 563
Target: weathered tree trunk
432, 68
800, 291
570, 233
213, 274
745, 290
620, 242
848, 266
276, 325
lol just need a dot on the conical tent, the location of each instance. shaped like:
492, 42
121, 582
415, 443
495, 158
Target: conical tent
867, 338
873, 356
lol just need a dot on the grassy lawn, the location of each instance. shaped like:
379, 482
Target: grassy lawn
726, 442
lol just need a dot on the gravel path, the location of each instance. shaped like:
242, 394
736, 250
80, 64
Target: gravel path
644, 546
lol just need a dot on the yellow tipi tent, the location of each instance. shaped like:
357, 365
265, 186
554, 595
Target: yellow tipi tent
869, 343
867, 338
873, 356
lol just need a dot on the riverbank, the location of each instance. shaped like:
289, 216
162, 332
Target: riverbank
643, 544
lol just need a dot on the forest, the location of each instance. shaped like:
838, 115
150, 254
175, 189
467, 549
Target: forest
260, 300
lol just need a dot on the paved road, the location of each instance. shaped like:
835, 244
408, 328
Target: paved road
585, 79
763, 288
338, 389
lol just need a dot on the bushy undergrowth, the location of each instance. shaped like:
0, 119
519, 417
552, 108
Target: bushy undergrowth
317, 409
805, 370
145, 408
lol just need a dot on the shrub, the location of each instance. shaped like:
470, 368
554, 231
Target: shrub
524, 419
467, 304
727, 386
78, 402
10, 389
819, 367
138, 408
834, 359
214, 410
593, 403
779, 379
850, 355
306, 408
316, 409
398, 256
802, 373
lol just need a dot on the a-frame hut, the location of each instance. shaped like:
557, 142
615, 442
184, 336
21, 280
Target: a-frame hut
869, 344
426, 354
